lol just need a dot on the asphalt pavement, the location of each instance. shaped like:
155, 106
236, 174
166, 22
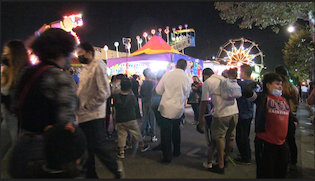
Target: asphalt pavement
147, 165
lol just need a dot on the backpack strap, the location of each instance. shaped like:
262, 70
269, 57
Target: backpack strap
26, 88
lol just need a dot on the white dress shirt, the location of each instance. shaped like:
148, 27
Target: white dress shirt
175, 88
93, 91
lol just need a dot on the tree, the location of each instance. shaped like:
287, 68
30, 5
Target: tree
264, 14
298, 55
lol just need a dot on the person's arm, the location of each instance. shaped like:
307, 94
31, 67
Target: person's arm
58, 87
203, 105
248, 92
310, 100
160, 88
102, 84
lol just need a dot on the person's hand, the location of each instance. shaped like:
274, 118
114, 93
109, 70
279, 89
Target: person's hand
200, 128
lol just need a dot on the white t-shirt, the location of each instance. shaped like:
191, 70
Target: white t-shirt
222, 107
304, 88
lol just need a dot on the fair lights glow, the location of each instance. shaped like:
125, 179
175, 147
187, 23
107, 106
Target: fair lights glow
156, 66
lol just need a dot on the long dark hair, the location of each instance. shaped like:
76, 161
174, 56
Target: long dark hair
19, 59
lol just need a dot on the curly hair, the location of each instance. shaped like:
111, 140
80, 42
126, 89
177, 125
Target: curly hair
18, 61
53, 43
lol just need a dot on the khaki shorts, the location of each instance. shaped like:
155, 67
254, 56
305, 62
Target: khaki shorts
224, 127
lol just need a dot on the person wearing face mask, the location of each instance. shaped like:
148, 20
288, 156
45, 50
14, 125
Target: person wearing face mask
14, 58
271, 126
44, 95
93, 92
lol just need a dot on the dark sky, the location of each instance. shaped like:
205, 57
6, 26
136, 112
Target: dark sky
107, 22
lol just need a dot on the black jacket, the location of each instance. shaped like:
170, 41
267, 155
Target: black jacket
260, 98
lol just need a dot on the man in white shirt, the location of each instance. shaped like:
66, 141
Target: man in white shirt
93, 92
225, 117
175, 88
304, 92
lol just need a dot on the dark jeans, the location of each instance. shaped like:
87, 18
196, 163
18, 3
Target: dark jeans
94, 132
292, 147
242, 138
138, 115
271, 160
170, 133
196, 108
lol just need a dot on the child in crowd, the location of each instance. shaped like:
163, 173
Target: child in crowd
125, 104
271, 126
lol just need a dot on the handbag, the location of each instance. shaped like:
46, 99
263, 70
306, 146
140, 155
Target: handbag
27, 155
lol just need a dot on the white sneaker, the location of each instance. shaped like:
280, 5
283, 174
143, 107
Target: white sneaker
154, 139
207, 165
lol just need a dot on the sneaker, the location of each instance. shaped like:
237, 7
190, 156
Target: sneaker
154, 138
207, 165
120, 170
195, 122
121, 154
217, 169
145, 148
241, 161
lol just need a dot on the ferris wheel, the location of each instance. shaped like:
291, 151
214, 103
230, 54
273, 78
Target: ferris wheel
236, 52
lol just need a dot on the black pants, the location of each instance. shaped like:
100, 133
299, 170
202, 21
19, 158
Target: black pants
271, 160
292, 147
196, 108
242, 138
170, 133
94, 132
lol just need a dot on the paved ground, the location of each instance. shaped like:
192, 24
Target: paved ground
193, 147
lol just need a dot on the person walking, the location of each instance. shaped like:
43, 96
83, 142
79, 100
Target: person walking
135, 89
44, 95
225, 117
125, 105
93, 92
175, 88
195, 97
155, 102
304, 92
14, 59
148, 120
245, 116
290, 93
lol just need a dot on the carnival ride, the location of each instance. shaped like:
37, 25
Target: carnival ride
68, 24
236, 52
182, 39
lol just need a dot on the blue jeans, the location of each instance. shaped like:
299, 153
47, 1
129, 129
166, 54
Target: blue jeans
94, 132
148, 117
196, 108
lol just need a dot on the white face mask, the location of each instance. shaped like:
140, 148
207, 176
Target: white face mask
276, 92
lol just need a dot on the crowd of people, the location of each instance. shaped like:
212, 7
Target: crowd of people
59, 117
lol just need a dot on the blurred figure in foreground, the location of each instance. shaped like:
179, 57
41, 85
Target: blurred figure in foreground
14, 58
45, 95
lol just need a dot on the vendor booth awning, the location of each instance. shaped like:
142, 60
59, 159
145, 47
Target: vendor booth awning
156, 49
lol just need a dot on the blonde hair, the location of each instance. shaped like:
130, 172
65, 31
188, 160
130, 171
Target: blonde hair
19, 59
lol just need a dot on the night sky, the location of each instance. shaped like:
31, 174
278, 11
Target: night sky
107, 22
